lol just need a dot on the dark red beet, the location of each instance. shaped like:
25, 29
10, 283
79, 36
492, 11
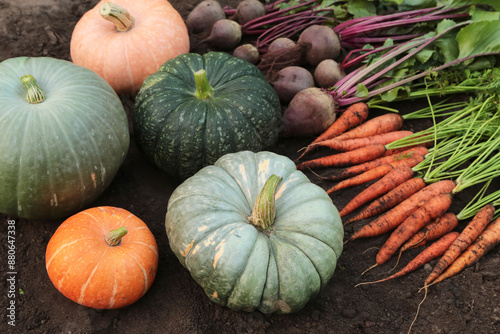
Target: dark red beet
327, 73
309, 113
204, 15
282, 52
320, 43
225, 35
291, 80
247, 52
248, 10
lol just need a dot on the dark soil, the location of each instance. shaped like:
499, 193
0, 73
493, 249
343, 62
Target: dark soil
467, 303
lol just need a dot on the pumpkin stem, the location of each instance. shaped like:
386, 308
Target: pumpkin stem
203, 89
114, 237
119, 16
35, 93
264, 211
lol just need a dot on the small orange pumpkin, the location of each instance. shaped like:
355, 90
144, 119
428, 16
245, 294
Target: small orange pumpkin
102, 257
124, 41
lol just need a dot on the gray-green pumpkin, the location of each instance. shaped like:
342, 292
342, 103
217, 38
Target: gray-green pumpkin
255, 233
63, 136
197, 108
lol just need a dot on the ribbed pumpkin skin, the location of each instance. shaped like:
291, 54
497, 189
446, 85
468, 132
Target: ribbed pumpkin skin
85, 269
125, 59
181, 134
239, 266
59, 155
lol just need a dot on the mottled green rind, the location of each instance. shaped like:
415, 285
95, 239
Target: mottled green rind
239, 266
57, 156
180, 133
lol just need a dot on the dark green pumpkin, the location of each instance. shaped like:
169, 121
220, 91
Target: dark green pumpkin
181, 124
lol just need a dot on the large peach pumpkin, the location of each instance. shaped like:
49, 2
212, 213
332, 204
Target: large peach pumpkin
124, 41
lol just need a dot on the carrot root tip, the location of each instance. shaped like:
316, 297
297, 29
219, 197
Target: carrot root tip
368, 269
418, 310
369, 249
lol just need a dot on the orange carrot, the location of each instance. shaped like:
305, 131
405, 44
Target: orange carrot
389, 200
375, 126
464, 240
407, 148
485, 242
434, 230
394, 217
375, 173
354, 115
439, 227
391, 180
350, 158
435, 250
352, 144
358, 169
433, 208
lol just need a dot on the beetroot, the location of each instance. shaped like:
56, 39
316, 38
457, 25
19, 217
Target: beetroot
310, 112
320, 43
291, 80
327, 73
249, 10
282, 43
225, 34
203, 16
247, 52
282, 52
315, 44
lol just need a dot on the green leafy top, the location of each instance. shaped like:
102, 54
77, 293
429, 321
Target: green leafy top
476, 46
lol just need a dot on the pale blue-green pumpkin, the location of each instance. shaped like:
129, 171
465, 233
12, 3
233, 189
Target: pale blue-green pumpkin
197, 108
273, 264
63, 136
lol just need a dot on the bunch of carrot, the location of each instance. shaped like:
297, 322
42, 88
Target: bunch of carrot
457, 251
361, 147
475, 240
480, 236
465, 151
415, 211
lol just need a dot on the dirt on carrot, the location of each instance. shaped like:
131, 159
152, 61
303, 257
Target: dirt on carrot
464, 240
407, 148
390, 181
344, 159
394, 217
487, 239
389, 200
375, 126
485, 242
375, 173
434, 230
348, 172
352, 144
435, 250
433, 208
439, 227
